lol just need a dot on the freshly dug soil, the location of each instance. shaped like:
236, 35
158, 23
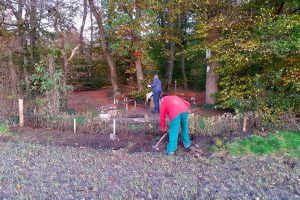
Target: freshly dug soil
131, 142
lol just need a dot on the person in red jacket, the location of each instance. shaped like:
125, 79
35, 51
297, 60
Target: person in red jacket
177, 110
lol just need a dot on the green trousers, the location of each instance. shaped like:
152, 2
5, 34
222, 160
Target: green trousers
180, 120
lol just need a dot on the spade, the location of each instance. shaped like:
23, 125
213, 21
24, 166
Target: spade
160, 140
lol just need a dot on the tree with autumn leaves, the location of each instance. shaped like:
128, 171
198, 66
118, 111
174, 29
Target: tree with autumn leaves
252, 60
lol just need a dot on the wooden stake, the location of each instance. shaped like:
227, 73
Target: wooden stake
21, 112
114, 127
244, 124
135, 104
126, 107
75, 126
114, 100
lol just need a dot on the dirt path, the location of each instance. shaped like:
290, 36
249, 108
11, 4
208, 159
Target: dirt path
83, 101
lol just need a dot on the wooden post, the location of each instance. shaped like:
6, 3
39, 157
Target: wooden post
114, 100
244, 124
135, 104
114, 127
126, 107
21, 112
75, 126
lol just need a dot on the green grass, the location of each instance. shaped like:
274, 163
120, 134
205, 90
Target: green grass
4, 129
278, 142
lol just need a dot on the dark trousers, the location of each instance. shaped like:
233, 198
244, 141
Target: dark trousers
156, 95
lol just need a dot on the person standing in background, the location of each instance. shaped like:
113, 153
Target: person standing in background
156, 90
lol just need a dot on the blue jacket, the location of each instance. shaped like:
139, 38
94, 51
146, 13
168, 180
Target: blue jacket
156, 85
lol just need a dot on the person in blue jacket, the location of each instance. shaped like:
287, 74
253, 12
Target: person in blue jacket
156, 90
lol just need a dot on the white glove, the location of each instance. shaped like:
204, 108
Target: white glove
148, 85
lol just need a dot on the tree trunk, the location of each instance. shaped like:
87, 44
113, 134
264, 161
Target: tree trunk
182, 24
171, 57
182, 64
211, 82
66, 68
162, 24
13, 79
33, 24
92, 44
136, 40
110, 61
212, 64
53, 94
139, 72
25, 75
82, 25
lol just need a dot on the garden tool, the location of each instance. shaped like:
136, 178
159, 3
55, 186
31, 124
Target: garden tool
160, 140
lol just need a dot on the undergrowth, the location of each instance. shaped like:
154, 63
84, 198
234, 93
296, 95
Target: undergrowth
279, 142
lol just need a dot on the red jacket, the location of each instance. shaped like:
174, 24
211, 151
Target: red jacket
171, 106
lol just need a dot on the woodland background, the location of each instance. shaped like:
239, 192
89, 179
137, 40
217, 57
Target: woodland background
244, 53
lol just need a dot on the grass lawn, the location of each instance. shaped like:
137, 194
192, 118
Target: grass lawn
279, 142
4, 129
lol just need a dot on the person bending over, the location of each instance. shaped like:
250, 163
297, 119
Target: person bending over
176, 109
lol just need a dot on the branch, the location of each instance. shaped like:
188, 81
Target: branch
10, 24
298, 9
73, 53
